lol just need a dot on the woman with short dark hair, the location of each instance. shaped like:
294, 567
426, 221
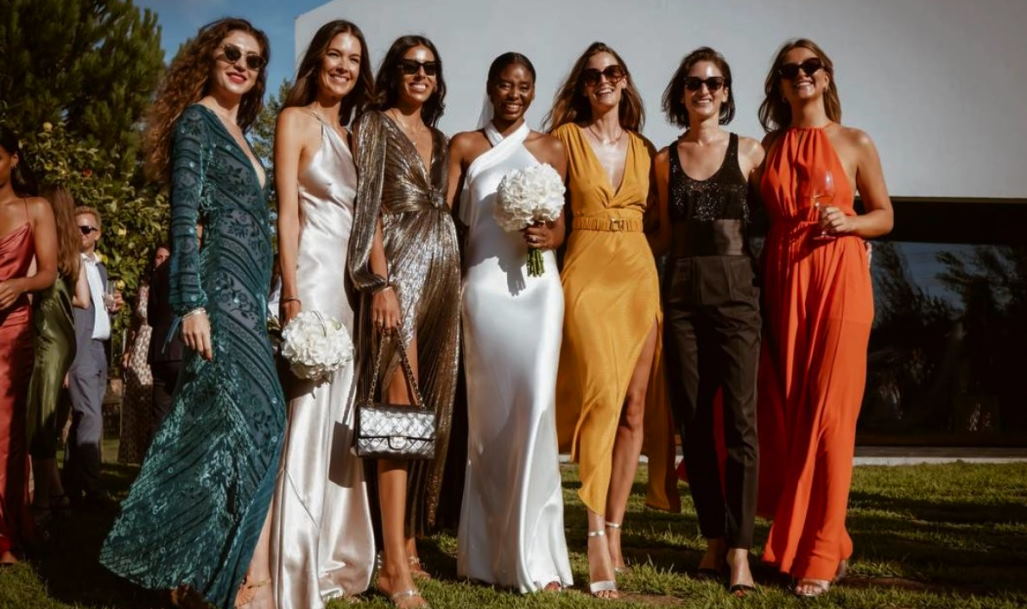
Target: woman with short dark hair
711, 305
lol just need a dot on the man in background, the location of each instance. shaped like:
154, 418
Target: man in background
87, 378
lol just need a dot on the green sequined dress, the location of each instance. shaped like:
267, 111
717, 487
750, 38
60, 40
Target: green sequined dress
195, 512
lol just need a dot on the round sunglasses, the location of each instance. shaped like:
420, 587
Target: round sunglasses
233, 53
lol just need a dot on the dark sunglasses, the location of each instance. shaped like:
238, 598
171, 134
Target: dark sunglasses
809, 67
614, 74
409, 67
713, 83
86, 229
253, 61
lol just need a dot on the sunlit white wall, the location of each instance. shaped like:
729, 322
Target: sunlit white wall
940, 85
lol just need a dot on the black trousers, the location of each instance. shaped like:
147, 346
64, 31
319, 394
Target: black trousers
711, 342
165, 378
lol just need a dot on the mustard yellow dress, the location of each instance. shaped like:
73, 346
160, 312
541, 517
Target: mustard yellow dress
612, 301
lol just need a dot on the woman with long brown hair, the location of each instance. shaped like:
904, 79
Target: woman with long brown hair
194, 514
611, 295
818, 309
405, 260
322, 541
54, 324
27, 238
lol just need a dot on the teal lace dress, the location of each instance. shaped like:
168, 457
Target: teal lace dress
195, 512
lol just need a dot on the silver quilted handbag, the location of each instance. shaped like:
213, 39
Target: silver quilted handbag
395, 431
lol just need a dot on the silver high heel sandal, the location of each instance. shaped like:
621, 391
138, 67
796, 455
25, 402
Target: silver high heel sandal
606, 585
618, 570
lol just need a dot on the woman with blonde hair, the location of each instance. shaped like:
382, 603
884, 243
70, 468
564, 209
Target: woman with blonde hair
818, 310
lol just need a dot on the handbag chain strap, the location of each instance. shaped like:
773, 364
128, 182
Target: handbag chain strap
408, 371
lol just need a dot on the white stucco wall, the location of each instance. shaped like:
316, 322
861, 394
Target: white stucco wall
940, 85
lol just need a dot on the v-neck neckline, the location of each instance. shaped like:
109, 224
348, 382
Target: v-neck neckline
249, 161
413, 146
335, 132
595, 159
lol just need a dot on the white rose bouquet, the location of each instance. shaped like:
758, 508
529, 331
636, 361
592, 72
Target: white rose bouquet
316, 346
526, 196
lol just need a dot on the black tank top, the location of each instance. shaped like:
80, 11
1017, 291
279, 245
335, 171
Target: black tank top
710, 217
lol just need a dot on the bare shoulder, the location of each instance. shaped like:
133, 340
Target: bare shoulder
295, 117
549, 148
38, 207
467, 145
751, 148
856, 138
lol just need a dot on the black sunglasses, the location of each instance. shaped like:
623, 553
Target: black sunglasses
86, 229
409, 67
809, 67
713, 83
613, 73
253, 61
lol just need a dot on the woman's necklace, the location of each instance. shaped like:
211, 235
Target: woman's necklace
601, 139
411, 131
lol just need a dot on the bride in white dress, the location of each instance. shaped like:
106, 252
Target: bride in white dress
511, 530
322, 541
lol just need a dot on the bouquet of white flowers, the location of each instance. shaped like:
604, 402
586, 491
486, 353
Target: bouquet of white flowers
526, 196
316, 346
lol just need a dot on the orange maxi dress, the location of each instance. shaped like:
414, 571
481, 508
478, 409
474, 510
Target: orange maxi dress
611, 301
818, 309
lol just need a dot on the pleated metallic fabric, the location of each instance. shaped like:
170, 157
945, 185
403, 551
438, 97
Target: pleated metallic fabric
424, 269
195, 512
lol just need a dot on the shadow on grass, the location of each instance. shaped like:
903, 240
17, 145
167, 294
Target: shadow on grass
70, 566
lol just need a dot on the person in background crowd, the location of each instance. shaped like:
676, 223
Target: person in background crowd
135, 369
87, 377
28, 238
54, 323
165, 351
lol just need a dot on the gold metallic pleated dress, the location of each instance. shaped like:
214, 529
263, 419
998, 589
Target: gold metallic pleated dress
424, 269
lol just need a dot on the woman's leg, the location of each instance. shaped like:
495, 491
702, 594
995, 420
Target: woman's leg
395, 577
256, 591
628, 446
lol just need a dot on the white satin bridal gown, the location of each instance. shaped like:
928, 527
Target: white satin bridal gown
511, 523
322, 543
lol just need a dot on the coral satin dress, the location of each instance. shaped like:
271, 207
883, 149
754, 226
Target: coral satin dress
818, 309
16, 252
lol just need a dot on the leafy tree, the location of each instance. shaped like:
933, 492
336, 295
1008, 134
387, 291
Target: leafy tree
89, 66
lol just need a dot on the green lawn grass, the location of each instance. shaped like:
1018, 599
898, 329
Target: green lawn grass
929, 536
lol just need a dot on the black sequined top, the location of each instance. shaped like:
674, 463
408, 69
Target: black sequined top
710, 216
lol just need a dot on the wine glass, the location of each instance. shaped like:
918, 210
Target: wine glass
822, 195
108, 294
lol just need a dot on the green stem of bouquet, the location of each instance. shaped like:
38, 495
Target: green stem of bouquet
535, 265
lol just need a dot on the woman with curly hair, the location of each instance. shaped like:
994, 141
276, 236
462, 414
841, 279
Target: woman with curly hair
818, 308
194, 514
404, 259
612, 296
322, 541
